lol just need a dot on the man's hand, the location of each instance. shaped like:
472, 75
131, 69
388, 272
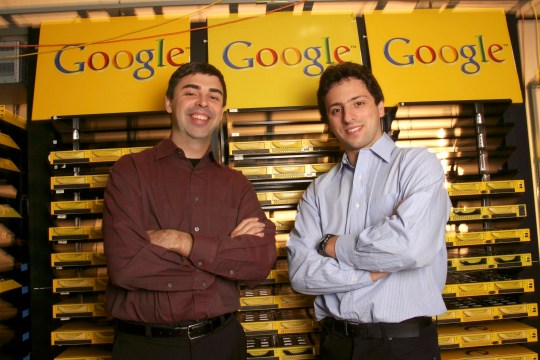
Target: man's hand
330, 248
331, 251
395, 209
174, 240
378, 275
249, 226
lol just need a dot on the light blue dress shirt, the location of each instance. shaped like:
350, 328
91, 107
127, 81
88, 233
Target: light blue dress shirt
390, 212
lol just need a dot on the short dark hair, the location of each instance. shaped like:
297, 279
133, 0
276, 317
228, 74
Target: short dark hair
195, 68
336, 73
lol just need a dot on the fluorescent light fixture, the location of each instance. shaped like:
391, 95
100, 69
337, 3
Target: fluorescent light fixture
358, 7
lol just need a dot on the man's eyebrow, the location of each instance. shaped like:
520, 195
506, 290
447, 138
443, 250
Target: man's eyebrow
216, 90
357, 97
354, 98
197, 87
191, 86
334, 104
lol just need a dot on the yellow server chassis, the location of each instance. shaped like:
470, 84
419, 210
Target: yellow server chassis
63, 233
486, 187
282, 146
8, 285
283, 346
489, 262
85, 353
470, 314
77, 259
488, 212
285, 321
7, 164
489, 288
77, 207
81, 333
12, 118
487, 237
503, 332
76, 308
509, 352
79, 182
91, 156
80, 284
284, 171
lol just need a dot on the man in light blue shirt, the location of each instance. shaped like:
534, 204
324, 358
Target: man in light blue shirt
369, 235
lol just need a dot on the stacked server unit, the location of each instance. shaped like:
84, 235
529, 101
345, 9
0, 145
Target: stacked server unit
490, 238
84, 150
491, 233
281, 163
280, 153
14, 274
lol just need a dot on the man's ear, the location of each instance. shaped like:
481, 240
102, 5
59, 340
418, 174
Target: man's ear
380, 106
168, 105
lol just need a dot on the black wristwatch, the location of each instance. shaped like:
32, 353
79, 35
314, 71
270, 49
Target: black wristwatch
321, 248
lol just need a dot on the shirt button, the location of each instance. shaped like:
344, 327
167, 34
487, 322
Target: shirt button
199, 263
196, 199
196, 229
231, 272
357, 205
169, 285
204, 284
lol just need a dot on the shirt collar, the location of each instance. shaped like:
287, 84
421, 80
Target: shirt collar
167, 147
382, 148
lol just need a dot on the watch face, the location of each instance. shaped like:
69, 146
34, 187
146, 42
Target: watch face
321, 248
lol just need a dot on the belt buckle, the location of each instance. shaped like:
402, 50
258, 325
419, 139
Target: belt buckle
347, 328
354, 330
194, 326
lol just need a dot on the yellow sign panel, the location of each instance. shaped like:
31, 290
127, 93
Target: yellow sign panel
117, 65
276, 60
442, 55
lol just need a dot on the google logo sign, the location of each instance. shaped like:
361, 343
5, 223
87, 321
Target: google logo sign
401, 51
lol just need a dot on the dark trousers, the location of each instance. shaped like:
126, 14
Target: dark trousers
336, 345
228, 342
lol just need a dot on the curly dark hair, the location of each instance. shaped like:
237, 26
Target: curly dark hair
195, 68
336, 73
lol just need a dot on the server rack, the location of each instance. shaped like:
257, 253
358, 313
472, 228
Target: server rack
14, 270
500, 263
491, 287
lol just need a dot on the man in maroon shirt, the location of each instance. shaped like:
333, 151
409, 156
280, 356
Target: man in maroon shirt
180, 232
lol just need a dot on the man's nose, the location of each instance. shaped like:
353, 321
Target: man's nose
201, 101
348, 114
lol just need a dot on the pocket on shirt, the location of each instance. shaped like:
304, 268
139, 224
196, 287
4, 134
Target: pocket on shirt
383, 206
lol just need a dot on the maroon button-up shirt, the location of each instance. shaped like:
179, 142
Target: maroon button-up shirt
159, 189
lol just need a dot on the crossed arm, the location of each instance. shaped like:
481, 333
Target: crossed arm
182, 242
330, 249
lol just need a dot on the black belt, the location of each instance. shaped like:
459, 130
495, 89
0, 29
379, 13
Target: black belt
189, 330
406, 329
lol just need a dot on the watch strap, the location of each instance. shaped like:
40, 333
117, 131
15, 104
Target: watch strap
321, 248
